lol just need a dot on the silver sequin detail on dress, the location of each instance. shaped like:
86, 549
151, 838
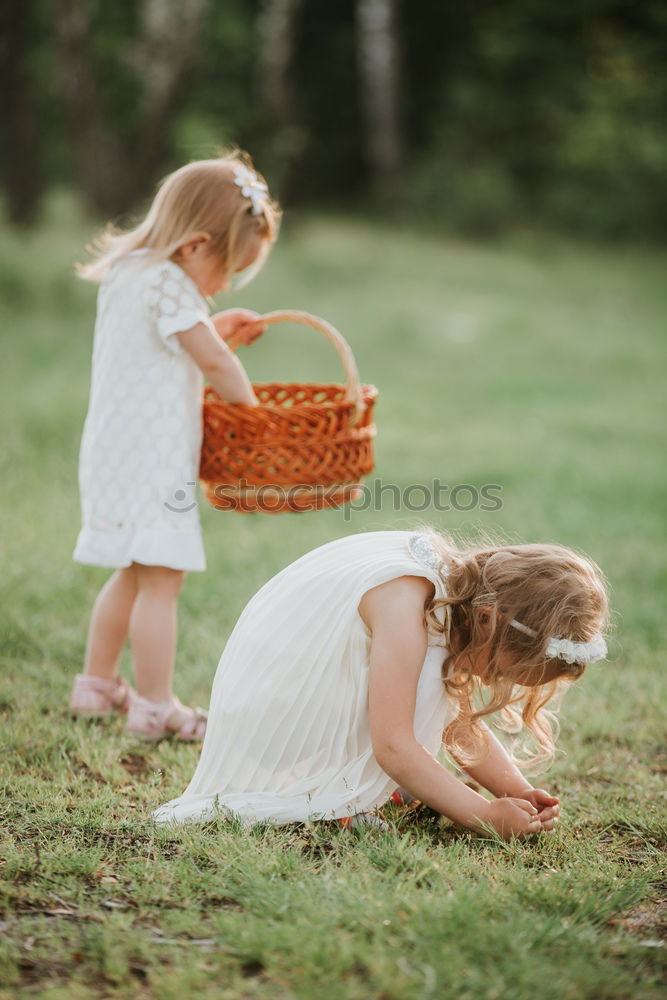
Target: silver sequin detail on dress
422, 549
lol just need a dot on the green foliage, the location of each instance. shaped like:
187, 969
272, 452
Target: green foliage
514, 112
511, 364
549, 114
221, 98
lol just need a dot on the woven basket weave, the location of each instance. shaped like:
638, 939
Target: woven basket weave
305, 447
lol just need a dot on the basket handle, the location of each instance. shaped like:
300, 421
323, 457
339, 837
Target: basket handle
335, 338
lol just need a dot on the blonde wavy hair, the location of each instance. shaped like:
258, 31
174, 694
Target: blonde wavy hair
199, 197
548, 588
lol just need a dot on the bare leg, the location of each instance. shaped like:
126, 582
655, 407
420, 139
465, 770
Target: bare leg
109, 624
153, 626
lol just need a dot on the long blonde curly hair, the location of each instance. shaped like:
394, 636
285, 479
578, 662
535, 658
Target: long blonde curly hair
549, 588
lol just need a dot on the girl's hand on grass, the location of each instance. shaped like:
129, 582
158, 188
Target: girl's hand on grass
239, 325
513, 818
548, 806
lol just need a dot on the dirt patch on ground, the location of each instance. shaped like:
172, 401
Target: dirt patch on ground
134, 764
647, 919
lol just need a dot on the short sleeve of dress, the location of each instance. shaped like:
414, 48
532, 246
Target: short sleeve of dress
174, 303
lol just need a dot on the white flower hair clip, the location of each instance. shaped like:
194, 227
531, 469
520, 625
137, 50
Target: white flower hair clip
252, 188
565, 649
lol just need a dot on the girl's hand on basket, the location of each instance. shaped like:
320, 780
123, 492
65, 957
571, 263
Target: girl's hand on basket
238, 325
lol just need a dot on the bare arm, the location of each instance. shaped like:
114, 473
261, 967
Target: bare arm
394, 614
220, 366
496, 772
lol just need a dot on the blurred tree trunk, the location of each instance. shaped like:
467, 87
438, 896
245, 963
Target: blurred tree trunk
379, 76
118, 166
20, 137
275, 28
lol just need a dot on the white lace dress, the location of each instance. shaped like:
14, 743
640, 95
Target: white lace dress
288, 736
139, 458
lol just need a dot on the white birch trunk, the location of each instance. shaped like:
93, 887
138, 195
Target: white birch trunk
378, 66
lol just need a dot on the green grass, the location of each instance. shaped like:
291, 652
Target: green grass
536, 365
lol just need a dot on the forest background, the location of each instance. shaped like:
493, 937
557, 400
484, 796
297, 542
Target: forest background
470, 117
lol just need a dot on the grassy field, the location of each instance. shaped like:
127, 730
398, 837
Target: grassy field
533, 365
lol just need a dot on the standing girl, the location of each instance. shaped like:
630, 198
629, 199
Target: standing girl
344, 671
154, 346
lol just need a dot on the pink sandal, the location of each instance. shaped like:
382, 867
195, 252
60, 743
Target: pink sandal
96, 697
152, 720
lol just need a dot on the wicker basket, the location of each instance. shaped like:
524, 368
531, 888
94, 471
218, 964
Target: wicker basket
305, 447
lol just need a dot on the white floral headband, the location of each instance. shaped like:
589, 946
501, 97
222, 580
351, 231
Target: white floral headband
252, 188
565, 649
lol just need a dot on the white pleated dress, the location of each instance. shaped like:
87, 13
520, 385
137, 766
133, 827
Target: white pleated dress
288, 735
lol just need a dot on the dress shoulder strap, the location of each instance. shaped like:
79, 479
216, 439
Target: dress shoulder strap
422, 549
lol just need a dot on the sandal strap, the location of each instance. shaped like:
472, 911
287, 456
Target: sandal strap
194, 726
98, 684
150, 718
99, 695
